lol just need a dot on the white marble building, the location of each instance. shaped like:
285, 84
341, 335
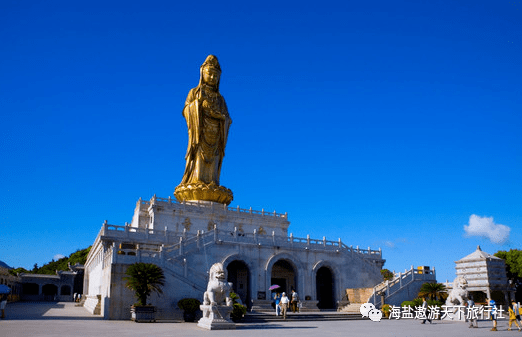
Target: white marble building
185, 239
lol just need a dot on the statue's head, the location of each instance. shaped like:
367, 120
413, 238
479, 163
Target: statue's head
460, 282
217, 272
211, 72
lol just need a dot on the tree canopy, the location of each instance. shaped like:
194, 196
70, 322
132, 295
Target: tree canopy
144, 278
50, 268
513, 260
433, 291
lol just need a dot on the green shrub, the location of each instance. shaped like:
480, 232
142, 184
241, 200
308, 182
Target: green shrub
415, 303
239, 309
189, 304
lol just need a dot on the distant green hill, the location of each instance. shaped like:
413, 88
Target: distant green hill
50, 268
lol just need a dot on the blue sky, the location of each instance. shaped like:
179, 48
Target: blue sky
387, 123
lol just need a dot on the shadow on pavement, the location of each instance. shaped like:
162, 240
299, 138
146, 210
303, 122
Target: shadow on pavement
271, 326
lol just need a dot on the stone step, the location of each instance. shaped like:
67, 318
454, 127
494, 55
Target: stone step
260, 317
352, 308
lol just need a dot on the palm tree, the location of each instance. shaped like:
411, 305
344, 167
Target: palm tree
143, 279
433, 291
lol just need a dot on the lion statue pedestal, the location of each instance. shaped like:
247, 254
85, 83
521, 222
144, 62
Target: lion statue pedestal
217, 304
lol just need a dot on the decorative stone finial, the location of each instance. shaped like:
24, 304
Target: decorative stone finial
478, 248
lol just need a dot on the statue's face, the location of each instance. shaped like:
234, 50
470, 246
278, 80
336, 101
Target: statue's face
210, 76
220, 274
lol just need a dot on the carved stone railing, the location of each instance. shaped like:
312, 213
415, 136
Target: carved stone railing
214, 205
400, 281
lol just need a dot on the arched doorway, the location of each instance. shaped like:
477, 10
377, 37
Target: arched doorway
285, 276
49, 291
239, 275
30, 289
325, 286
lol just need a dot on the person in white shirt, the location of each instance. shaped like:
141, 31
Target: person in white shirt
284, 304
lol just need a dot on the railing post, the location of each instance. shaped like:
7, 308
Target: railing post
412, 274
185, 268
387, 288
324, 241
198, 238
180, 245
114, 252
138, 252
215, 233
255, 235
400, 280
340, 243
291, 238
308, 239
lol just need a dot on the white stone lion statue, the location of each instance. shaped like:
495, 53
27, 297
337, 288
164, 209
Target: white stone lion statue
218, 289
458, 295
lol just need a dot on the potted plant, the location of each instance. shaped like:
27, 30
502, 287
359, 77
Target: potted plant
386, 310
189, 306
239, 309
143, 279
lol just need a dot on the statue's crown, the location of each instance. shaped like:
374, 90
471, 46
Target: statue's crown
211, 62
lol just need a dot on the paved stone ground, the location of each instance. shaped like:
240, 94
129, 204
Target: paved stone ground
65, 319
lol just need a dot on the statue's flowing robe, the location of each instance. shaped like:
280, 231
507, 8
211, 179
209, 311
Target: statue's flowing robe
207, 136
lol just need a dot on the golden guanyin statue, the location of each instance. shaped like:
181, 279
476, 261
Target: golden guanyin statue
208, 122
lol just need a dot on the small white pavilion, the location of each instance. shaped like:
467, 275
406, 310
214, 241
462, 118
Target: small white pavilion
486, 275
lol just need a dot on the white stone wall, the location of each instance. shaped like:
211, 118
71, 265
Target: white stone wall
161, 213
161, 234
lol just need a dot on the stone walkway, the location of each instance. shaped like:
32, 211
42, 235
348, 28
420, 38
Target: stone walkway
64, 319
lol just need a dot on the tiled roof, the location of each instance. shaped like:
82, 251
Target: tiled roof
478, 255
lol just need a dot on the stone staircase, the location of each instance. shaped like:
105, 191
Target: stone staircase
323, 315
352, 308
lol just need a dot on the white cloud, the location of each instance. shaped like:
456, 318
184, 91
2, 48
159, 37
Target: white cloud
58, 256
487, 228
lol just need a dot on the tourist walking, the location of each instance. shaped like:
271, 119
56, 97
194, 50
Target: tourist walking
470, 314
425, 310
513, 310
284, 304
517, 310
493, 306
277, 299
295, 300
3, 303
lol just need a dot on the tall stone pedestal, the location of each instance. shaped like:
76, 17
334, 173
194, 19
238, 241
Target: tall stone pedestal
216, 317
